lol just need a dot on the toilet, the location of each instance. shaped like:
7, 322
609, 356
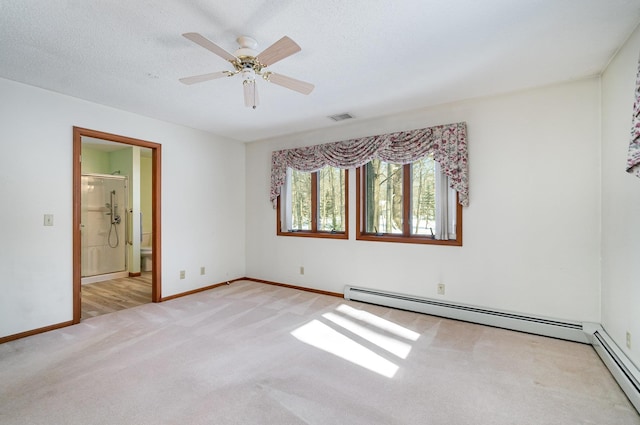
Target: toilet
145, 253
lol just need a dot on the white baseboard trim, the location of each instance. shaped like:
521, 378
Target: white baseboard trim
103, 277
624, 371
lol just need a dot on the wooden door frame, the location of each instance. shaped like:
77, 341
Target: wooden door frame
156, 148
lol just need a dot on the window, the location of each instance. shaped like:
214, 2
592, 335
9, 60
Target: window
407, 203
314, 204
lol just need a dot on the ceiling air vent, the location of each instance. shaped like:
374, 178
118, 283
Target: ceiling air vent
341, 117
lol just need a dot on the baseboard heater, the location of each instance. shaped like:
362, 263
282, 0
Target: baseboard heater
621, 367
625, 372
571, 331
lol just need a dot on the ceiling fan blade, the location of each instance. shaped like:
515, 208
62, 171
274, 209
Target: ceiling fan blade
251, 99
290, 83
209, 45
205, 77
277, 51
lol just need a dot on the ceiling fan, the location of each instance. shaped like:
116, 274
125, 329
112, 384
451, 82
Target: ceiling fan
249, 64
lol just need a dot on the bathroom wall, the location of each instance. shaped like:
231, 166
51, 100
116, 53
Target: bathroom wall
121, 161
95, 161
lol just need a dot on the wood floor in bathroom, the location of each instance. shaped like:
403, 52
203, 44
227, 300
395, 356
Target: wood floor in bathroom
116, 294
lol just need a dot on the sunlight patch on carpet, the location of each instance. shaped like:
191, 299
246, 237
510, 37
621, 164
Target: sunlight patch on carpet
393, 345
319, 335
379, 322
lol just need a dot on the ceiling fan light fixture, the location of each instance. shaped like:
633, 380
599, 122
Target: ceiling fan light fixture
248, 74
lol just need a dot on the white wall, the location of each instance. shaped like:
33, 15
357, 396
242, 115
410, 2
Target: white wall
531, 232
202, 202
620, 203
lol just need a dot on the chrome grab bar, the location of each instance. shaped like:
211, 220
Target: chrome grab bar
127, 225
128, 228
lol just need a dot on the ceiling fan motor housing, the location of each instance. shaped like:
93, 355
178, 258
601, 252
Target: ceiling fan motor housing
247, 48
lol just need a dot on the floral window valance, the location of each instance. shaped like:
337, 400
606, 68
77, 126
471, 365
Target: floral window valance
633, 155
447, 143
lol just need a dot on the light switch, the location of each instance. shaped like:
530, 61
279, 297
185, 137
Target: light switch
48, 219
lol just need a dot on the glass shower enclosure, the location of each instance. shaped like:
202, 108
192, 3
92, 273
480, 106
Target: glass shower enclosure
104, 202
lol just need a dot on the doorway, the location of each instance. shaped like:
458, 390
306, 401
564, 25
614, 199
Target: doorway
112, 213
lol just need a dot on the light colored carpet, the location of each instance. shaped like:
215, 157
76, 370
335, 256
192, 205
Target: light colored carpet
250, 353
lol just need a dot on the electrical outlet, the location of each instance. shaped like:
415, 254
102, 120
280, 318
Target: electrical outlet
629, 340
202, 270
301, 269
182, 274
440, 288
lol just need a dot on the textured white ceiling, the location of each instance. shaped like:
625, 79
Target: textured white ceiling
367, 57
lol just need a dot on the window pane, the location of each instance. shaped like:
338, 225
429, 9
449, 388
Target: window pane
300, 200
383, 186
331, 184
423, 197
